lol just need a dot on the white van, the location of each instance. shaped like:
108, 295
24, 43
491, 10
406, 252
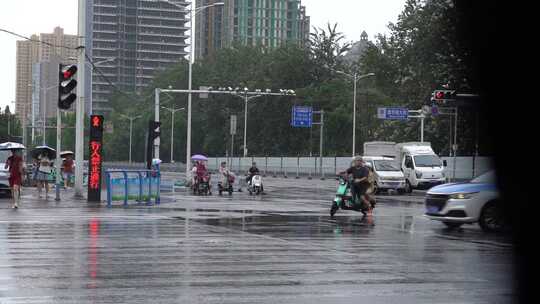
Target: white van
422, 168
388, 175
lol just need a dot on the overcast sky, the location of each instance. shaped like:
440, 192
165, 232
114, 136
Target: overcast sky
29, 17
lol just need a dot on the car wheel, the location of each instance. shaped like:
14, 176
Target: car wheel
491, 217
453, 225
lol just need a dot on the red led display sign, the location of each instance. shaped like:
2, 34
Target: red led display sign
96, 158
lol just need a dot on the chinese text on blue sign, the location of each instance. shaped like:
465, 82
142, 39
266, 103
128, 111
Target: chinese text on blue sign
302, 116
393, 113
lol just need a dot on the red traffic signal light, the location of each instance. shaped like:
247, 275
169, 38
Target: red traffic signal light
444, 95
66, 84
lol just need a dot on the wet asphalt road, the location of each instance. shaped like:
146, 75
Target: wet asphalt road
279, 248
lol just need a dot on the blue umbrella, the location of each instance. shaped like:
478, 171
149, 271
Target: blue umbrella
199, 157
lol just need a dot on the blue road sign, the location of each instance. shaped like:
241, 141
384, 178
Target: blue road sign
302, 116
393, 113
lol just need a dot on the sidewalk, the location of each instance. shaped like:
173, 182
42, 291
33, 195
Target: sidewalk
30, 200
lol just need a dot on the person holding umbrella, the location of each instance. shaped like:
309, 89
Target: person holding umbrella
67, 164
44, 154
15, 165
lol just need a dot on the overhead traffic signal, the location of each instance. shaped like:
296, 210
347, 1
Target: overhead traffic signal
444, 95
66, 85
153, 134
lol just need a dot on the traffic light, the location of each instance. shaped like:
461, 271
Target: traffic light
154, 129
153, 134
444, 95
66, 85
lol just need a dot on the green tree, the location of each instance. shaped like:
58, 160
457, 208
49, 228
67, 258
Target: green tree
421, 53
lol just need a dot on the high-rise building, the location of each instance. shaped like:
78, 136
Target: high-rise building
135, 39
27, 55
270, 23
37, 73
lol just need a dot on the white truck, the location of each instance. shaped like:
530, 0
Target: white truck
421, 167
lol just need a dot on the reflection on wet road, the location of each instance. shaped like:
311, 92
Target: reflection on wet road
281, 248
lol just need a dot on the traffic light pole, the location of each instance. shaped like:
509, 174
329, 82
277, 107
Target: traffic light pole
58, 149
79, 120
156, 118
422, 116
190, 92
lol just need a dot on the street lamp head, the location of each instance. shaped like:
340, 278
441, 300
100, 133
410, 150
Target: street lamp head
246, 89
230, 89
170, 87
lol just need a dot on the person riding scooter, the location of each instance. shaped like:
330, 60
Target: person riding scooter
226, 180
254, 180
360, 183
252, 172
202, 176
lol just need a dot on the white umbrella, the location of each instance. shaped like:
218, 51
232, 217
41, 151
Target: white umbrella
11, 146
51, 153
63, 153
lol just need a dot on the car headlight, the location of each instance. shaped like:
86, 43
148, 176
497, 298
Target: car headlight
418, 174
462, 195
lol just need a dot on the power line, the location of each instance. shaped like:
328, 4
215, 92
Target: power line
39, 41
100, 73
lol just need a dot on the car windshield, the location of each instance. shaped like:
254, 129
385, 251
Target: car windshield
427, 161
386, 165
486, 178
4, 156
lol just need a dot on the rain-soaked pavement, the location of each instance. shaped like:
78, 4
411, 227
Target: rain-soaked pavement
279, 248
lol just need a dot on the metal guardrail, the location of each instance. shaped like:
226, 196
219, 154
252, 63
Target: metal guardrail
150, 175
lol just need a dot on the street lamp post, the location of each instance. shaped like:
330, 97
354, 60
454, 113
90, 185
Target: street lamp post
41, 89
192, 13
131, 119
355, 78
172, 110
247, 99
